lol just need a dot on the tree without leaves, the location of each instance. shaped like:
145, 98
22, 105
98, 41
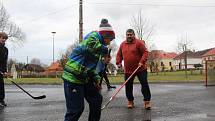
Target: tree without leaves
14, 32
153, 61
65, 56
35, 61
183, 46
143, 29
18, 66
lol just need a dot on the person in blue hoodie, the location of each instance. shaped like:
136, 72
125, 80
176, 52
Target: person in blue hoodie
81, 81
101, 69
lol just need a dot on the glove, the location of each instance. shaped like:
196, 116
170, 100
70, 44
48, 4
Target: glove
5, 74
140, 64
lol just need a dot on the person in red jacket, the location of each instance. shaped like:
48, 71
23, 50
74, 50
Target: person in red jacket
134, 53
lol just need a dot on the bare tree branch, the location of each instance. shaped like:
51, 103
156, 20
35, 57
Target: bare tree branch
143, 29
65, 56
15, 34
184, 41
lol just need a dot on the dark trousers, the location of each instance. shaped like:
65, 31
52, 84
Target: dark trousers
2, 92
103, 75
75, 94
142, 76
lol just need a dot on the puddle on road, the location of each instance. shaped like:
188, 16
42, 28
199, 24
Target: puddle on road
196, 117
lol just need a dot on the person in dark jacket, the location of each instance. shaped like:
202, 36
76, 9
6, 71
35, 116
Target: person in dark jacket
3, 66
81, 81
101, 69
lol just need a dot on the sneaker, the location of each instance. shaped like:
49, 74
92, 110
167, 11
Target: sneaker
3, 104
147, 105
130, 104
111, 86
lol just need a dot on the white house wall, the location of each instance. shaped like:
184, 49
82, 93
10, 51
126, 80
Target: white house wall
190, 63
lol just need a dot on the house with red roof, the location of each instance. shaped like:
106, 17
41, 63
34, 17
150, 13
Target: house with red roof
210, 55
193, 59
55, 66
54, 69
160, 60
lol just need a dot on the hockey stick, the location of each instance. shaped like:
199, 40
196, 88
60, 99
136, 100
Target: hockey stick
36, 98
117, 91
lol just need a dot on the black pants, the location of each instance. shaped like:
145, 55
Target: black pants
75, 95
142, 76
104, 75
2, 92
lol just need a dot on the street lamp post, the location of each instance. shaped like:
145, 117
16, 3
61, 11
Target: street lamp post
80, 20
185, 59
53, 33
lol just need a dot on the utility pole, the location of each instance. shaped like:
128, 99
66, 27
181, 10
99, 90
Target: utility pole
27, 59
80, 20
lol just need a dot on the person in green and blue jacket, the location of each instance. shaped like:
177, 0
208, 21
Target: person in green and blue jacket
81, 81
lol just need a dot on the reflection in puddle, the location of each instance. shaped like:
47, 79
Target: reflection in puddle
147, 115
133, 114
2, 113
197, 117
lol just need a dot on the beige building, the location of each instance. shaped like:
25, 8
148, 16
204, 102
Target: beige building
160, 60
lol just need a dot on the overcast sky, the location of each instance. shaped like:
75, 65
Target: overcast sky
172, 20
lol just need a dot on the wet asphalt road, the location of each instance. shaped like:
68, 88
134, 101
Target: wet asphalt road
171, 102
